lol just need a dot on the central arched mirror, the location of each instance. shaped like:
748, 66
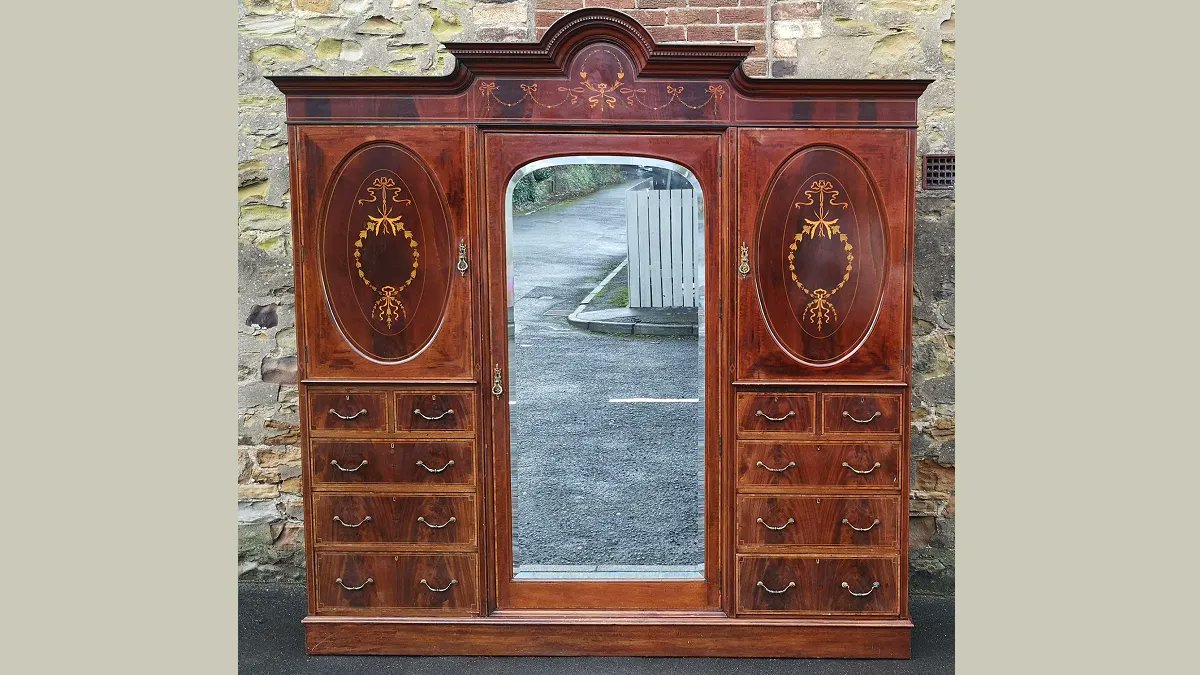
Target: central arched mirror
606, 342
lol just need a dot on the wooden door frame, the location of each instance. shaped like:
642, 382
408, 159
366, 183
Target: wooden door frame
502, 154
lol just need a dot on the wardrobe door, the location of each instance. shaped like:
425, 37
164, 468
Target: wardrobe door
385, 248
823, 237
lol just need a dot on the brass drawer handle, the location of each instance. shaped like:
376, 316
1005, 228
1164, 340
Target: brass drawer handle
769, 527
421, 519
342, 468
790, 413
860, 595
846, 521
421, 464
418, 413
338, 519
355, 588
771, 590
340, 416
790, 465
439, 590
846, 413
861, 473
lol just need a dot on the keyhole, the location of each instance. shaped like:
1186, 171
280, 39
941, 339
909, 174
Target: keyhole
347, 397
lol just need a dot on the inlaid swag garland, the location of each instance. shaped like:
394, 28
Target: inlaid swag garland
820, 309
388, 307
600, 96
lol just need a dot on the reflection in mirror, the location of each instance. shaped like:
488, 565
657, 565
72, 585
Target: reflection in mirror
606, 369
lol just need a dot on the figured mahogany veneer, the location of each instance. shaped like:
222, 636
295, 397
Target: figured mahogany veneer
382, 584
780, 464
818, 585
817, 521
398, 188
418, 465
394, 519
792, 414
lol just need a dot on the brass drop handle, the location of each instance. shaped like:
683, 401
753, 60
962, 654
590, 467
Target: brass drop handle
846, 413
418, 413
497, 381
421, 519
355, 588
744, 261
340, 416
439, 590
790, 465
338, 519
462, 265
421, 464
785, 589
770, 527
361, 464
846, 521
790, 413
874, 585
861, 473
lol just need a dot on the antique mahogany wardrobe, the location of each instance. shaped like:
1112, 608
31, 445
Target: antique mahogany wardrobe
455, 483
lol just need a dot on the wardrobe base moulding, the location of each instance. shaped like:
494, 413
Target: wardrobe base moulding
591, 635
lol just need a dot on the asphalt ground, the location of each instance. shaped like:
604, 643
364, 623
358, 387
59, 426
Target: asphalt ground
271, 642
597, 482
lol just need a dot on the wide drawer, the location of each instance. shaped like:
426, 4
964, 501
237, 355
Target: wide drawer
416, 519
357, 583
785, 464
435, 411
347, 411
394, 463
860, 414
769, 413
818, 521
807, 585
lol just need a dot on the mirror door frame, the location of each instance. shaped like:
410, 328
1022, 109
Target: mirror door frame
702, 153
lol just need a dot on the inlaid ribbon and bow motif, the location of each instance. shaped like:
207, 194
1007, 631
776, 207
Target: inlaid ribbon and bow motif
387, 222
819, 223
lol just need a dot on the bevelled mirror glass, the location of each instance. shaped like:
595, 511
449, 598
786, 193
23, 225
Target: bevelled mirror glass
605, 260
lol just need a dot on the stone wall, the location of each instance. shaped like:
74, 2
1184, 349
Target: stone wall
833, 38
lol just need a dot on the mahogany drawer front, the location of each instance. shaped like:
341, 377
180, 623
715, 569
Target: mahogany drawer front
391, 463
399, 519
344, 411
435, 411
818, 521
350, 583
761, 413
860, 414
785, 464
809, 585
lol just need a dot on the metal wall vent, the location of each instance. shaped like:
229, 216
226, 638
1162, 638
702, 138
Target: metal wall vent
939, 172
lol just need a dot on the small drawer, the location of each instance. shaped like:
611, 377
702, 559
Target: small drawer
358, 583
762, 413
393, 463
347, 411
860, 414
785, 464
818, 521
376, 519
807, 585
435, 411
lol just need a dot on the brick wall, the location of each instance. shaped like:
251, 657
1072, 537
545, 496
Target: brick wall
682, 21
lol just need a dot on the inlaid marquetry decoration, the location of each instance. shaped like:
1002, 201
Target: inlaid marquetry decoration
600, 85
819, 210
386, 252
387, 221
820, 258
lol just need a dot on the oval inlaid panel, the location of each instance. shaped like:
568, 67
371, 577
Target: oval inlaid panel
821, 255
385, 252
